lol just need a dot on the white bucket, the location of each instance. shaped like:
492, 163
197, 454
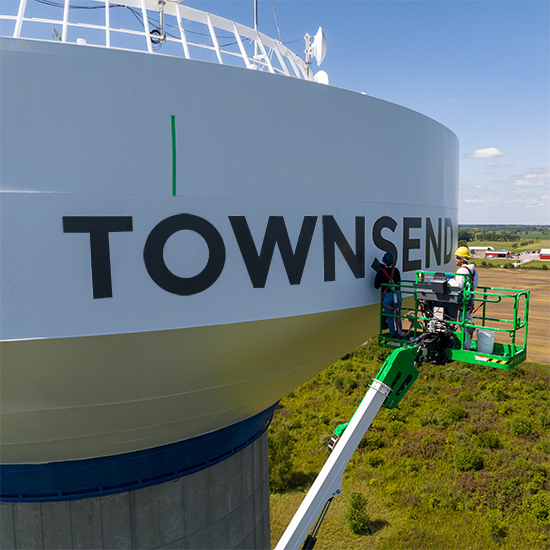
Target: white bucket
485, 341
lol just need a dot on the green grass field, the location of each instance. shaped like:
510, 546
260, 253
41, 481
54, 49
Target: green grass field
462, 464
508, 263
509, 245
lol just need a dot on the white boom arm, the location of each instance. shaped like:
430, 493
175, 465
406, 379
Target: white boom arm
329, 481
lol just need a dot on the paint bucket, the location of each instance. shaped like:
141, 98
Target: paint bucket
485, 341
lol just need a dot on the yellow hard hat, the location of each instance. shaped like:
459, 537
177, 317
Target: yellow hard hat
463, 252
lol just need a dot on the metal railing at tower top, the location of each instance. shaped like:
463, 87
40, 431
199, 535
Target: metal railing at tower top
162, 26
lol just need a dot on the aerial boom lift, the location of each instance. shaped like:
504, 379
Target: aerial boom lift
441, 320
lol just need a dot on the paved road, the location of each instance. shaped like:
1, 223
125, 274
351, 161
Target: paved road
524, 258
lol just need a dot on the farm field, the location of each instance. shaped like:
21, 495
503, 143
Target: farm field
538, 283
513, 245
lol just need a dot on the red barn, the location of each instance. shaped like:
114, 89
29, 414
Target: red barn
497, 254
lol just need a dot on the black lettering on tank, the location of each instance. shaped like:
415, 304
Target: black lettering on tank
99, 228
332, 237
383, 244
410, 244
153, 255
432, 243
276, 233
448, 251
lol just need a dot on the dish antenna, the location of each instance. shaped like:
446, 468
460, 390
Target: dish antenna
319, 46
321, 77
317, 49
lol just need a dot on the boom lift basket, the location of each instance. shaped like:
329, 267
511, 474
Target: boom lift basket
431, 304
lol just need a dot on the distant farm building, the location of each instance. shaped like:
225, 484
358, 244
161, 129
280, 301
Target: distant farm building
545, 253
480, 249
497, 254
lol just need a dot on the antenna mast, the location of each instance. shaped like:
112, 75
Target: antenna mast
255, 27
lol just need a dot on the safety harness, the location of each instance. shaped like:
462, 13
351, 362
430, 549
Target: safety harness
390, 280
472, 274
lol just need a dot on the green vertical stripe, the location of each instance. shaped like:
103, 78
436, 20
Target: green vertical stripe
173, 155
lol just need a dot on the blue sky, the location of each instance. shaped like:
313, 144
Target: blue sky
481, 68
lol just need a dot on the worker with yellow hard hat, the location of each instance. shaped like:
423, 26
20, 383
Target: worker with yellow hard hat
462, 255
463, 252
465, 270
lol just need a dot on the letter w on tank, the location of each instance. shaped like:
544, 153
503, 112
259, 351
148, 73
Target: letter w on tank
276, 233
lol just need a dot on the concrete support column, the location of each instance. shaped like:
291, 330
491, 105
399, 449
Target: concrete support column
224, 507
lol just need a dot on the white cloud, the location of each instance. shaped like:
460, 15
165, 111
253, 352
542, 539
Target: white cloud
488, 153
534, 177
543, 173
474, 201
525, 183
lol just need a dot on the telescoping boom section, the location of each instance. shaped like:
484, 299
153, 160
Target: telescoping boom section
443, 320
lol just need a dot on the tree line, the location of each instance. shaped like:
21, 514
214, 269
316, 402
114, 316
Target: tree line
500, 233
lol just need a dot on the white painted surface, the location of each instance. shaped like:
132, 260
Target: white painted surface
100, 145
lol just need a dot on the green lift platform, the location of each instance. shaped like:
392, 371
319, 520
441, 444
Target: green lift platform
448, 322
430, 305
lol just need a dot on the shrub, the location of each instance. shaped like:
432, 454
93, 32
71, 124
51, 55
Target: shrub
539, 505
338, 383
356, 513
433, 418
489, 440
395, 427
281, 446
344, 383
504, 409
412, 465
396, 414
544, 446
520, 425
371, 441
465, 397
495, 391
374, 459
466, 459
516, 372
538, 475
456, 413
498, 530
455, 373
